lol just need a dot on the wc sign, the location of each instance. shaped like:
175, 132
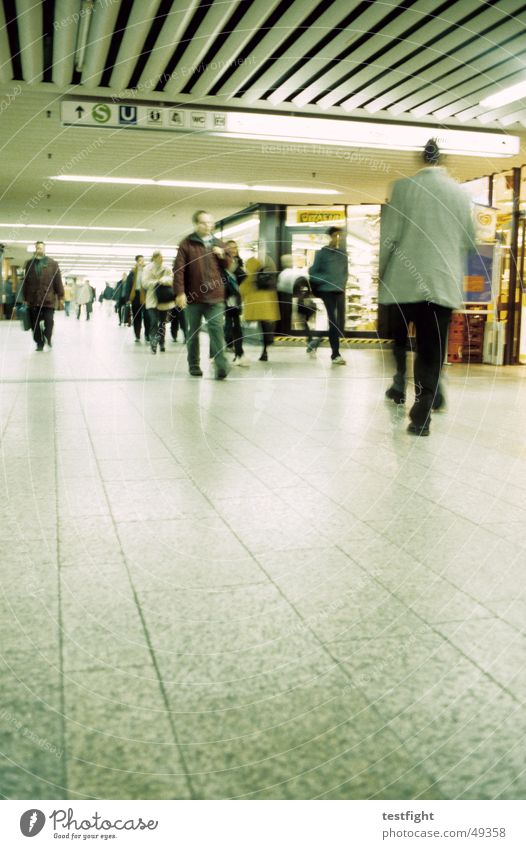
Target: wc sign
127, 114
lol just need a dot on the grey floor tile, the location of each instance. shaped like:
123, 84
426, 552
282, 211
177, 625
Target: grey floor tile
119, 739
498, 648
31, 738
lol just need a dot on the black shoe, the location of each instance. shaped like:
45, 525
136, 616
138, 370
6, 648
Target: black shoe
418, 430
162, 349
439, 403
395, 395
195, 371
221, 373
49, 343
40, 348
264, 357
153, 348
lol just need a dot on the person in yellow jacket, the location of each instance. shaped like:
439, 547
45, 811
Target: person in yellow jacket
260, 301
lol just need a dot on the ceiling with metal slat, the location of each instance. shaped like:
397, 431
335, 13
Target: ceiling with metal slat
404, 57
397, 61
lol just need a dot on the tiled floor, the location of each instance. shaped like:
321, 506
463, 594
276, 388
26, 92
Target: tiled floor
262, 588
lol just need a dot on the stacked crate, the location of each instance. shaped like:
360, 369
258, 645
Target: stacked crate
466, 338
474, 338
455, 341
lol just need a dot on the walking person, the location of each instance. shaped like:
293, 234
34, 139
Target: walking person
328, 277
198, 267
83, 295
137, 297
306, 308
285, 287
41, 288
157, 282
177, 320
106, 299
426, 231
232, 328
68, 293
260, 302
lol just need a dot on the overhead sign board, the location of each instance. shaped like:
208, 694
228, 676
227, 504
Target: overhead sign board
82, 113
280, 127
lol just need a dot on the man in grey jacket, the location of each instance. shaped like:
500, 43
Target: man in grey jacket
426, 231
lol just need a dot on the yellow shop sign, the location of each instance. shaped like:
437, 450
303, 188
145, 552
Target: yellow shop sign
319, 216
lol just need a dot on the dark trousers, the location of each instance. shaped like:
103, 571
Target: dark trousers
140, 315
303, 318
267, 333
431, 325
157, 325
233, 331
45, 315
334, 303
213, 315
177, 320
285, 311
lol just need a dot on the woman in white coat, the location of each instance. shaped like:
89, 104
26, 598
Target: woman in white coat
157, 282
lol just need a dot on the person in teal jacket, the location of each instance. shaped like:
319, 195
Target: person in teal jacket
426, 232
328, 276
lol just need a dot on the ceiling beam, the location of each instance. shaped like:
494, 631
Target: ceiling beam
137, 29
29, 20
269, 43
231, 49
64, 40
171, 33
100, 34
212, 25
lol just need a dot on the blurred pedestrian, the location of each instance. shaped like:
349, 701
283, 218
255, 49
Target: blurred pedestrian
41, 289
328, 277
260, 302
198, 267
157, 282
426, 231
68, 293
137, 297
83, 296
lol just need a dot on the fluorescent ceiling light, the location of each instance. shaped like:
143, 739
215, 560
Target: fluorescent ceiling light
365, 134
87, 249
79, 178
195, 184
16, 225
243, 225
507, 95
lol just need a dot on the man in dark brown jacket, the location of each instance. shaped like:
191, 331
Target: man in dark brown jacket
197, 276
41, 289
